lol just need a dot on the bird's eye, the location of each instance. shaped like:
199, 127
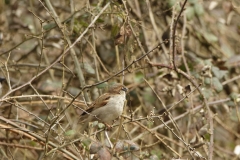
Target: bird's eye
124, 89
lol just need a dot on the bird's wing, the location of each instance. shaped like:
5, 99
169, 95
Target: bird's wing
99, 102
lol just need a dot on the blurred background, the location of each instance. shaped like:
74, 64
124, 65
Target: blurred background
45, 86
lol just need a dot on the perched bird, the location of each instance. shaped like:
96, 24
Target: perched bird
106, 107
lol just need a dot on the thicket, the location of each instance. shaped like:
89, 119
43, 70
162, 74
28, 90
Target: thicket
179, 59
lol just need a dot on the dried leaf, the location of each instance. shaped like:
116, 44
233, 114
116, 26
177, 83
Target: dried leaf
124, 34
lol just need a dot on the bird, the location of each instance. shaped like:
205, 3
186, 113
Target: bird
106, 107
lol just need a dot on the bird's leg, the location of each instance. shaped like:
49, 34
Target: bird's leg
107, 126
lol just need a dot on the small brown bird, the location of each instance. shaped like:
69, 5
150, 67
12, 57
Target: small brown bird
106, 107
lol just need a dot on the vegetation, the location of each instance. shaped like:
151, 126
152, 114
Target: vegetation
179, 59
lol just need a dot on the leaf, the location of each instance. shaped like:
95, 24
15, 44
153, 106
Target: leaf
203, 130
192, 1
207, 81
233, 60
190, 13
88, 68
83, 23
115, 30
227, 49
102, 86
233, 96
70, 133
49, 26
207, 93
50, 86
124, 33
219, 73
86, 142
217, 84
199, 10
138, 77
171, 3
210, 37
100, 20
101, 125
148, 96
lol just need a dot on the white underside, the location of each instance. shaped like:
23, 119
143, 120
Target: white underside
112, 110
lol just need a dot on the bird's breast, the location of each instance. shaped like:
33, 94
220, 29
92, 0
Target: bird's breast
113, 108
117, 102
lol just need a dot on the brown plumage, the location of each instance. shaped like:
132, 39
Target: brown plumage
106, 107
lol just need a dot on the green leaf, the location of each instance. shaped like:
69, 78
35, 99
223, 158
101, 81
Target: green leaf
138, 77
199, 10
100, 20
88, 68
148, 96
83, 23
102, 86
208, 62
210, 37
207, 81
207, 93
217, 84
219, 73
171, 3
227, 50
233, 96
190, 13
86, 142
101, 125
70, 133
192, 1
115, 30
49, 26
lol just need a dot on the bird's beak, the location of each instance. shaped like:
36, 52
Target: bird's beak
124, 89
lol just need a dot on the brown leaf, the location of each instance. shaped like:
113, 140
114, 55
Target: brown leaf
124, 33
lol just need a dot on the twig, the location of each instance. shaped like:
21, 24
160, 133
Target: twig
20, 146
171, 118
231, 80
60, 57
174, 34
34, 136
151, 15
